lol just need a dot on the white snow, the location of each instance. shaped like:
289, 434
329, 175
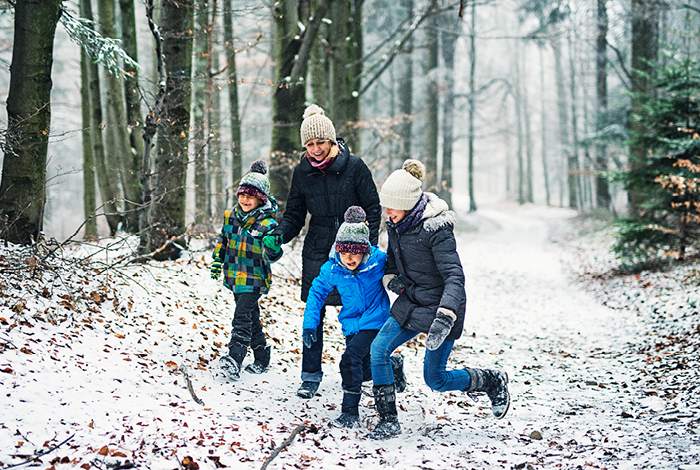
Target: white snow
100, 366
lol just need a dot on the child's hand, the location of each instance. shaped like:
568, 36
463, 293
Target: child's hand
308, 337
441, 327
273, 242
215, 269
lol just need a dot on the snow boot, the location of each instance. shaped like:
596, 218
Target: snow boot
231, 364
262, 360
385, 403
400, 380
308, 389
350, 414
495, 384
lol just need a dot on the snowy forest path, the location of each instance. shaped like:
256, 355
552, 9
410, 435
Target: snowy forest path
569, 357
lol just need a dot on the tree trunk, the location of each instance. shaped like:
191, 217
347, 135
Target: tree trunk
200, 118
116, 119
215, 155
151, 124
574, 166
345, 68
405, 87
644, 49
528, 195
602, 188
106, 182
319, 68
519, 116
23, 187
234, 113
89, 198
169, 199
545, 166
131, 82
287, 101
562, 106
432, 102
450, 34
291, 54
472, 107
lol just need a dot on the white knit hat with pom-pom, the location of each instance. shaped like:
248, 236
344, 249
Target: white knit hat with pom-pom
256, 182
353, 234
316, 125
403, 188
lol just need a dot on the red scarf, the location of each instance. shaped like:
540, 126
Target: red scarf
323, 165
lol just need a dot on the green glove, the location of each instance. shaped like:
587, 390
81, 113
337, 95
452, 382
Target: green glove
215, 269
273, 242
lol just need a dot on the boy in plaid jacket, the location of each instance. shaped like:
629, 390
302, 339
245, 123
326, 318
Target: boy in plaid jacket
246, 265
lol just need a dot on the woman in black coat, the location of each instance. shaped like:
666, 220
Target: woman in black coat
424, 269
327, 181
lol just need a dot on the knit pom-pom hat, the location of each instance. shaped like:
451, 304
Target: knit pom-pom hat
353, 234
316, 125
256, 182
403, 188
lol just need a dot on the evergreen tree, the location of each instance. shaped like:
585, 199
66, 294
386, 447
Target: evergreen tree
667, 223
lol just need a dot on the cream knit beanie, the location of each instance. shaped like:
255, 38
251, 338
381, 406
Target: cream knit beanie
403, 188
316, 125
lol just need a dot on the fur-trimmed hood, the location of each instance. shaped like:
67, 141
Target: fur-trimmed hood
437, 214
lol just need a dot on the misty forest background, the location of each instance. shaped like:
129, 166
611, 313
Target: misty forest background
534, 101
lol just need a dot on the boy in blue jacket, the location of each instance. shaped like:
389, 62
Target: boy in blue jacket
356, 269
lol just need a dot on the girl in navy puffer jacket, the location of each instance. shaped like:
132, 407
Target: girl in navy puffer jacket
355, 269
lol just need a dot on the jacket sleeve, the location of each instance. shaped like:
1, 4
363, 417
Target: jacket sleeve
320, 289
294, 216
444, 248
369, 200
222, 243
390, 261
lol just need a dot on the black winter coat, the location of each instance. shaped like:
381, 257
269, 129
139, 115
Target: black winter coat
326, 196
426, 258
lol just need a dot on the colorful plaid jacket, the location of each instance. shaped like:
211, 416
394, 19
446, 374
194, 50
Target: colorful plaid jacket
246, 261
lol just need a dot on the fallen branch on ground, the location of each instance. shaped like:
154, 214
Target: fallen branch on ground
183, 369
282, 446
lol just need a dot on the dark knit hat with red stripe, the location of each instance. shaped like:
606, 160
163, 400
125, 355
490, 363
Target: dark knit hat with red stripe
256, 183
353, 234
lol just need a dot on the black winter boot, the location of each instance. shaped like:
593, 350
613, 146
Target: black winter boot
385, 403
262, 360
495, 384
231, 364
350, 413
400, 380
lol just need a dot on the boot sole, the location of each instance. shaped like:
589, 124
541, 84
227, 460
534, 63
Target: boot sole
230, 370
508, 402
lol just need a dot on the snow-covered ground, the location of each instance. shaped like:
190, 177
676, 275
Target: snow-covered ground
92, 360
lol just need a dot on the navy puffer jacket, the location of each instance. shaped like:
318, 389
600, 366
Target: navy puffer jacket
426, 258
326, 196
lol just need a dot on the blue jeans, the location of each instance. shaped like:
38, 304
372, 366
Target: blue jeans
391, 336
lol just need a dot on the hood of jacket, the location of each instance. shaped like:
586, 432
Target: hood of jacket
437, 214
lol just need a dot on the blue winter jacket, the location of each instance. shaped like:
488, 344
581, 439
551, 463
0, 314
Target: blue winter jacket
365, 302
